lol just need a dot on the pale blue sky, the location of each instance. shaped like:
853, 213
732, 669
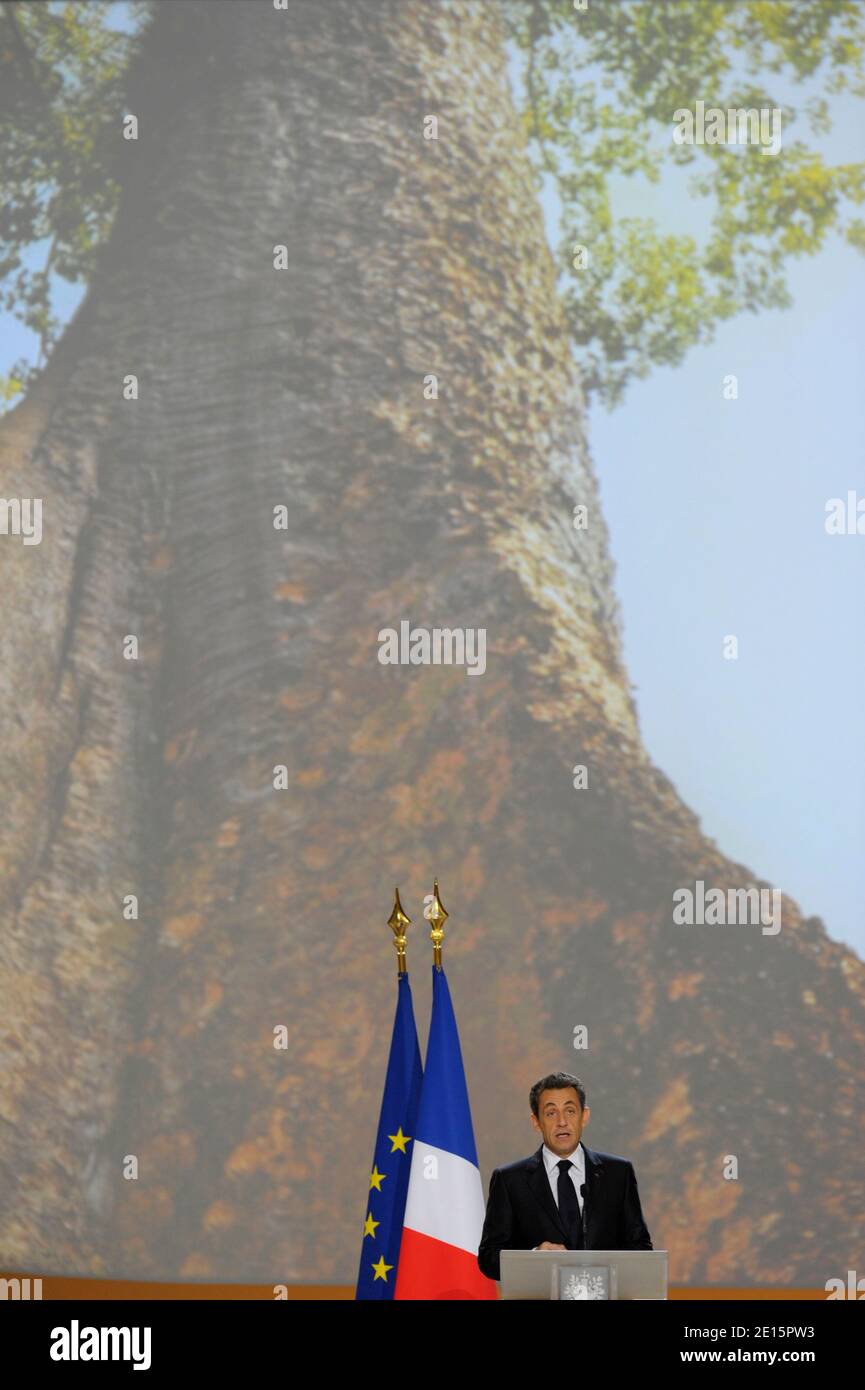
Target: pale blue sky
716, 512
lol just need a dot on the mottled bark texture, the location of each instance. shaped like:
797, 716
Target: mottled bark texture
262, 907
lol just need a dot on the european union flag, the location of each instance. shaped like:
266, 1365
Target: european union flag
388, 1182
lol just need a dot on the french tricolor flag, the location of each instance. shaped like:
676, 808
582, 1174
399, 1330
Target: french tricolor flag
444, 1213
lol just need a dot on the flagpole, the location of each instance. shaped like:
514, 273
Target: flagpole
437, 916
398, 921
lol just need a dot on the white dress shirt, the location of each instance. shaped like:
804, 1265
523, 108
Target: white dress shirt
576, 1172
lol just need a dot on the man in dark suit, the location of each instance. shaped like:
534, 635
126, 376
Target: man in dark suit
566, 1196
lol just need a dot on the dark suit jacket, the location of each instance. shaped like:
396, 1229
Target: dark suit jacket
522, 1211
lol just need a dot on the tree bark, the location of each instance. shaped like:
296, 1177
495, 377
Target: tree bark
262, 907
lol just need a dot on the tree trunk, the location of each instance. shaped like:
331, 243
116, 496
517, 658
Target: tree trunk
262, 907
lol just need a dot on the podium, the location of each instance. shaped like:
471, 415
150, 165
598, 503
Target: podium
597, 1274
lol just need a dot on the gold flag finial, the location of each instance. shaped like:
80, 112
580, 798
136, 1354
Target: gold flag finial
398, 921
437, 916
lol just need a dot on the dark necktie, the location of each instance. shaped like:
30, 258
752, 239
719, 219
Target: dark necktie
569, 1207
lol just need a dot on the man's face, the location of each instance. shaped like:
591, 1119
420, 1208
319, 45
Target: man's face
560, 1119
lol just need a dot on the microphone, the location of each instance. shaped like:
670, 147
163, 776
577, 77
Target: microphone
583, 1213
